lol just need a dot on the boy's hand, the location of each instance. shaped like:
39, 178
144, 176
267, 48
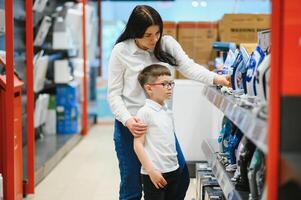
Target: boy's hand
157, 179
136, 127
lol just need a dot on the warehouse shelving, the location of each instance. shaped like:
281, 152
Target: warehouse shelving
252, 126
209, 148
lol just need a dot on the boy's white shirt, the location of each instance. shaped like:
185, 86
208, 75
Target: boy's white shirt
125, 95
159, 140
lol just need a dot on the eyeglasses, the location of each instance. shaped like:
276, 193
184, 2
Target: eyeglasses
166, 85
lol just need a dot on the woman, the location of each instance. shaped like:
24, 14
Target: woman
140, 45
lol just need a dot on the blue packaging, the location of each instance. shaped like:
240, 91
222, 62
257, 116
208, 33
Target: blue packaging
225, 133
233, 144
68, 94
68, 119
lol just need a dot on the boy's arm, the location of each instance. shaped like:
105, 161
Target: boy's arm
155, 176
139, 149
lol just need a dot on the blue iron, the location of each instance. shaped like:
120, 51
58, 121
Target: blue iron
255, 59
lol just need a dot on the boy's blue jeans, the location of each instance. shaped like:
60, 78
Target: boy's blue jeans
129, 166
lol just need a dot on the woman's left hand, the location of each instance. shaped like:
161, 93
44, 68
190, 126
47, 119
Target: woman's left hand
222, 80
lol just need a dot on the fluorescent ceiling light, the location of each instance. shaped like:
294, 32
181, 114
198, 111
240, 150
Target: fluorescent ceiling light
203, 4
195, 4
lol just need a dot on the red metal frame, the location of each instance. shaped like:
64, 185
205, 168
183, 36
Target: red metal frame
85, 104
8, 167
274, 117
290, 77
29, 187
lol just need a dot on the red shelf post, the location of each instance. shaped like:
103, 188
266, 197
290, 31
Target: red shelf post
8, 168
29, 188
85, 104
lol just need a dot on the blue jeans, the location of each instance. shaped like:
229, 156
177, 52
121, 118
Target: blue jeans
129, 166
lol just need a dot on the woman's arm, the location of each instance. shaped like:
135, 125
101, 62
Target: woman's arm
115, 87
188, 67
116, 72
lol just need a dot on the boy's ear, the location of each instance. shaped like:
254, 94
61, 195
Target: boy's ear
147, 88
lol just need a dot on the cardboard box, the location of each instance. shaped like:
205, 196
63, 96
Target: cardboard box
39, 5
40, 111
170, 28
264, 39
250, 47
196, 40
43, 31
240, 28
61, 36
68, 119
50, 124
62, 71
68, 94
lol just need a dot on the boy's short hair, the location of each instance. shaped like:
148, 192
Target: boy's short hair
150, 73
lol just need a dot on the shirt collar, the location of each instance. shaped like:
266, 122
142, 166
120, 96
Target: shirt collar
135, 49
154, 105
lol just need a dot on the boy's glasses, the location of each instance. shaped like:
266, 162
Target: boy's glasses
166, 85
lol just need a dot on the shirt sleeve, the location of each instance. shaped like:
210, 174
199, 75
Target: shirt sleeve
186, 65
143, 115
116, 72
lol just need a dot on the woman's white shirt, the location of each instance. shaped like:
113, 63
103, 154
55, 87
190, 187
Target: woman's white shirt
125, 95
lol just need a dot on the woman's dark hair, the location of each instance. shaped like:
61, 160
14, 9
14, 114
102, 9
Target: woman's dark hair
141, 18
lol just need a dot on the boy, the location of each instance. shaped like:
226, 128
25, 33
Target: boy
156, 149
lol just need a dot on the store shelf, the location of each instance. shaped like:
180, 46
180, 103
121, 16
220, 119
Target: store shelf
209, 148
253, 127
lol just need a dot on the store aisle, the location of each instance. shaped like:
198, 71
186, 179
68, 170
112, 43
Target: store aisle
88, 172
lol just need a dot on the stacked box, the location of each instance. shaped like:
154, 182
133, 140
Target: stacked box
170, 28
68, 94
240, 28
67, 119
68, 108
50, 124
196, 40
249, 47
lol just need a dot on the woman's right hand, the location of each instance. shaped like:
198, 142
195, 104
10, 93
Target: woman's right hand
222, 80
136, 127
157, 179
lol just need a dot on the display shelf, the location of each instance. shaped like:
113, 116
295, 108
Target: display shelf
253, 127
70, 53
209, 148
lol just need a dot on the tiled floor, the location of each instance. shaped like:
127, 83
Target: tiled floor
88, 172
